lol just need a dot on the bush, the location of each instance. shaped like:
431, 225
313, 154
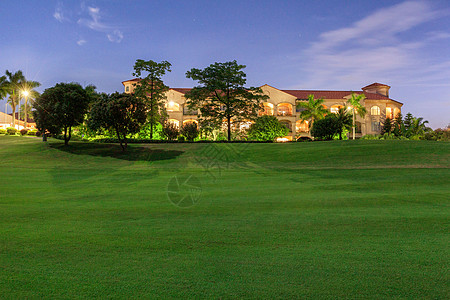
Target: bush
32, 133
38, 133
267, 128
190, 131
23, 131
170, 131
181, 138
11, 130
325, 129
304, 139
2, 131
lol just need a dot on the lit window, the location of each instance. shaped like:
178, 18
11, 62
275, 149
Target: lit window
335, 108
268, 109
302, 126
172, 106
375, 111
127, 88
284, 109
389, 113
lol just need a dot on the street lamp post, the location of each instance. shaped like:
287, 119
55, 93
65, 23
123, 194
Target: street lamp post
25, 93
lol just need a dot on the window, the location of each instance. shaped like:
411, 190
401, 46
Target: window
284, 109
302, 126
335, 108
127, 88
268, 109
358, 127
375, 111
189, 112
172, 106
287, 124
389, 113
376, 126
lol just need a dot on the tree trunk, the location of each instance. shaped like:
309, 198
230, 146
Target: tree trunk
66, 142
229, 128
26, 113
13, 116
354, 123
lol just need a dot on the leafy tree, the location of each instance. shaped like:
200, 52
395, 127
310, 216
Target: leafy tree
27, 109
171, 131
221, 95
3, 87
151, 89
356, 107
60, 108
122, 113
343, 120
325, 129
190, 131
312, 110
387, 126
267, 128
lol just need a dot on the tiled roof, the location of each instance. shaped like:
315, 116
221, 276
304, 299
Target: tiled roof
303, 94
374, 85
181, 90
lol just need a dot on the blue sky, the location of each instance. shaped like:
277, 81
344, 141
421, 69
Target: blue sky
319, 44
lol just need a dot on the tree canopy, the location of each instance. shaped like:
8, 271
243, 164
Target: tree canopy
123, 114
312, 110
221, 95
267, 128
151, 89
62, 107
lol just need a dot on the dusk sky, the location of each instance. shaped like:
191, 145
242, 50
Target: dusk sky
321, 44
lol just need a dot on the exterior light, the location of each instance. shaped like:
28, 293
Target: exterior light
25, 93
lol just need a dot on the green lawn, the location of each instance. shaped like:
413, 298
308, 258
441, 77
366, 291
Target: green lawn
354, 219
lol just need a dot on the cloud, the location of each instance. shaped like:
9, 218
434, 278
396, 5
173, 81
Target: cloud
59, 13
81, 42
95, 23
377, 47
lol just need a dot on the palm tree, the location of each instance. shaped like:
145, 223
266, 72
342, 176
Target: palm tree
343, 120
13, 88
29, 88
417, 127
312, 110
356, 107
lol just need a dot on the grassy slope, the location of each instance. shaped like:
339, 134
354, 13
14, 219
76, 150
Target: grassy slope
354, 219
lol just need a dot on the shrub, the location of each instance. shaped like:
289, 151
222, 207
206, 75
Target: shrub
370, 137
267, 128
11, 130
32, 133
190, 131
2, 131
38, 133
181, 138
171, 131
23, 131
325, 129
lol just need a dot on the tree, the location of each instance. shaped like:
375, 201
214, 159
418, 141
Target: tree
13, 87
221, 95
313, 110
387, 126
190, 131
356, 107
22, 110
123, 114
417, 128
408, 121
267, 128
399, 127
60, 108
28, 90
3, 87
325, 129
151, 89
343, 120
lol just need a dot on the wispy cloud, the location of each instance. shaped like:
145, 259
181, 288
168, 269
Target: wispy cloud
59, 14
94, 22
81, 42
374, 48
